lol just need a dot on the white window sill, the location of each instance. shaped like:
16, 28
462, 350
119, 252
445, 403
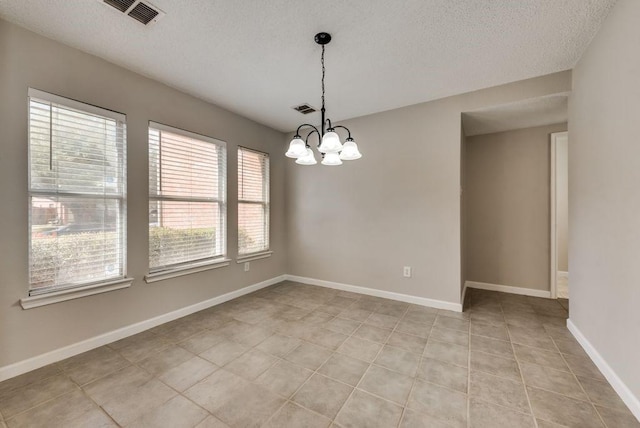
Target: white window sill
254, 256
74, 293
185, 270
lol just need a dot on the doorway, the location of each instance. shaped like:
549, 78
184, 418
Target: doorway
559, 216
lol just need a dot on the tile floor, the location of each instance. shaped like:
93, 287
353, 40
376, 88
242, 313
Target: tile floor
294, 355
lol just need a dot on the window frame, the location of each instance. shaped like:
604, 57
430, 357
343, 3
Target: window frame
266, 203
192, 266
62, 292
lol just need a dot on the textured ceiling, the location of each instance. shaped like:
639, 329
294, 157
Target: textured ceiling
259, 58
522, 114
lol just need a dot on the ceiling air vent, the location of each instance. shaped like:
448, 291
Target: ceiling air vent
143, 12
304, 108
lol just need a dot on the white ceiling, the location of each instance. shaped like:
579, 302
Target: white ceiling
522, 114
258, 58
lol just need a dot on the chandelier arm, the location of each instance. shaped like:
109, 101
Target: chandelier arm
343, 127
315, 131
299, 127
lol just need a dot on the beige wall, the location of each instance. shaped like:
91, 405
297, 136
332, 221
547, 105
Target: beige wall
562, 203
604, 200
399, 205
507, 213
28, 60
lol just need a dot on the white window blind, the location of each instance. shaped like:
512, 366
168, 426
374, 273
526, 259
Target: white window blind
77, 192
187, 198
253, 201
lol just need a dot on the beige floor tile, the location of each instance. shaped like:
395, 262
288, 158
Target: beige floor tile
165, 360
212, 422
441, 403
123, 409
444, 374
547, 424
387, 384
342, 325
18, 400
121, 383
497, 390
492, 346
279, 345
69, 410
308, 355
365, 410
601, 393
144, 347
615, 418
93, 365
492, 364
449, 335
542, 357
175, 413
407, 342
284, 378
552, 380
413, 419
583, 366
491, 318
488, 330
398, 360
343, 368
414, 328
486, 415
215, 390
570, 347
563, 410
382, 321
355, 314
323, 395
447, 352
224, 352
250, 406
201, 341
326, 338
292, 416
536, 338
28, 378
453, 323
419, 316
187, 374
374, 334
251, 364
361, 349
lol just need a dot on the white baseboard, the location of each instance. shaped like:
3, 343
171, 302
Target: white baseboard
42, 360
508, 289
422, 301
563, 274
632, 402
464, 293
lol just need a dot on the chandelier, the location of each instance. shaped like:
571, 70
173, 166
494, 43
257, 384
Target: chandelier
332, 150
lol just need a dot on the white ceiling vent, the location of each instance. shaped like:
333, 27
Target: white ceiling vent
304, 108
141, 11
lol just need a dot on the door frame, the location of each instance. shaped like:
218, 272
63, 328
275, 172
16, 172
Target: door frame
553, 275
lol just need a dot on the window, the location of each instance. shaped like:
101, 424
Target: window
77, 192
253, 202
187, 199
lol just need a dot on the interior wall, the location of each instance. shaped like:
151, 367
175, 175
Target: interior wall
562, 203
508, 201
604, 172
29, 60
399, 205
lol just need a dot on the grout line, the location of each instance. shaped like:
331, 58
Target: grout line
524, 385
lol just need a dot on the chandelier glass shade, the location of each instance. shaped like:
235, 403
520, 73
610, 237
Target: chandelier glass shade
332, 150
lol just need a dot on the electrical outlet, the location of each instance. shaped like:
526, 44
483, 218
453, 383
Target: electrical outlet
246, 266
406, 271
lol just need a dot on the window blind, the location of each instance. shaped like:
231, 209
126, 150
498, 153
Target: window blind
187, 198
253, 201
77, 192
